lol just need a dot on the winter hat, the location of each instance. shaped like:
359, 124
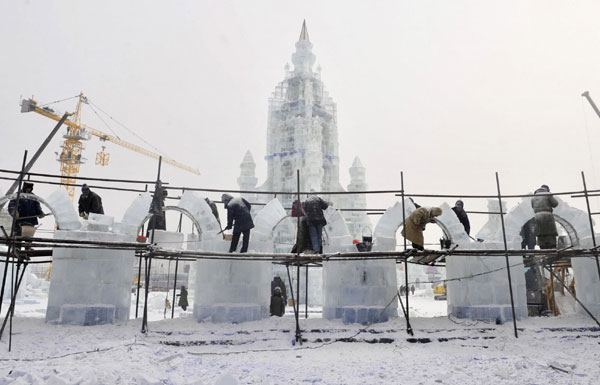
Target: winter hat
545, 187
27, 185
85, 187
277, 290
435, 211
225, 198
459, 202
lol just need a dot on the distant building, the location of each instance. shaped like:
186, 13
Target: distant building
302, 135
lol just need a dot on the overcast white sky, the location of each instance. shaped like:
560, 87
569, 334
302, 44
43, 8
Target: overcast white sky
448, 91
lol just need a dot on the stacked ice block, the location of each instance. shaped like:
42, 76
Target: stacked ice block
62, 207
483, 294
200, 210
356, 291
236, 291
137, 212
90, 286
587, 283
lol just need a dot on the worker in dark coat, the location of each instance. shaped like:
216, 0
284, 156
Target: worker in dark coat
89, 202
28, 212
277, 303
462, 215
303, 241
238, 218
278, 282
545, 226
159, 220
528, 235
315, 219
183, 300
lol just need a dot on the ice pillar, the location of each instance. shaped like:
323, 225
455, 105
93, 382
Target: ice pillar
355, 291
237, 290
587, 282
90, 286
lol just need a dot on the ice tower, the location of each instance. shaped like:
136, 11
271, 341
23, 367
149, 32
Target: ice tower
302, 135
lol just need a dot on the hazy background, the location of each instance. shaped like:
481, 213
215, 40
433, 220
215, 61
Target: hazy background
448, 92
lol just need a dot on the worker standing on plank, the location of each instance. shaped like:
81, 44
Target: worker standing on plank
238, 219
462, 216
416, 222
545, 226
27, 213
89, 202
315, 219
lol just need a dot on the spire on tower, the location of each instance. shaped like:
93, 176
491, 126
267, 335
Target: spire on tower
304, 32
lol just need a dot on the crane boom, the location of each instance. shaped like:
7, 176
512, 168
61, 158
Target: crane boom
31, 105
586, 95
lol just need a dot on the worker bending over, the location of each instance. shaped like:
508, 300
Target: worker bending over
89, 202
416, 222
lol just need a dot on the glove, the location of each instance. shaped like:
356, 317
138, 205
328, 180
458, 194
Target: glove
227, 228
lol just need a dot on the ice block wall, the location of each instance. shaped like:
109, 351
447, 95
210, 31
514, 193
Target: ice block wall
236, 290
355, 291
90, 286
483, 291
587, 281
64, 212
485, 296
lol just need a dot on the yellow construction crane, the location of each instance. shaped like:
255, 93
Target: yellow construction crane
71, 158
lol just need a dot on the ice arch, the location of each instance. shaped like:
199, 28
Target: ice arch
576, 223
190, 204
387, 227
60, 206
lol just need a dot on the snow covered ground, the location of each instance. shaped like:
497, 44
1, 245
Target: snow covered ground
558, 350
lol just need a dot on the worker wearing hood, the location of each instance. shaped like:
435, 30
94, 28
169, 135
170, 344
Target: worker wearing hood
545, 226
238, 219
416, 222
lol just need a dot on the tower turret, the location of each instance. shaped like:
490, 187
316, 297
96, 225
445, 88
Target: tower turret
247, 179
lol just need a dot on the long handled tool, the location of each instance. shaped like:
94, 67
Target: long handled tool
35, 216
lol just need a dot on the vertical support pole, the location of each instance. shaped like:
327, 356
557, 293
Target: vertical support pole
137, 296
13, 300
287, 267
554, 312
12, 306
149, 257
306, 297
11, 245
174, 287
587, 202
408, 327
512, 300
297, 304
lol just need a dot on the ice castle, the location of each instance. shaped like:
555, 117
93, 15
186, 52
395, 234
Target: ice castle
302, 135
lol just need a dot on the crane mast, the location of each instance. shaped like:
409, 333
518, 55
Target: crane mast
71, 156
586, 95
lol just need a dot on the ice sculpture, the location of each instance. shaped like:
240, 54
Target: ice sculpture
237, 290
90, 286
200, 210
355, 291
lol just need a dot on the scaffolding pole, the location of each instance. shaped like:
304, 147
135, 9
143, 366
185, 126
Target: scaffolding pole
512, 300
